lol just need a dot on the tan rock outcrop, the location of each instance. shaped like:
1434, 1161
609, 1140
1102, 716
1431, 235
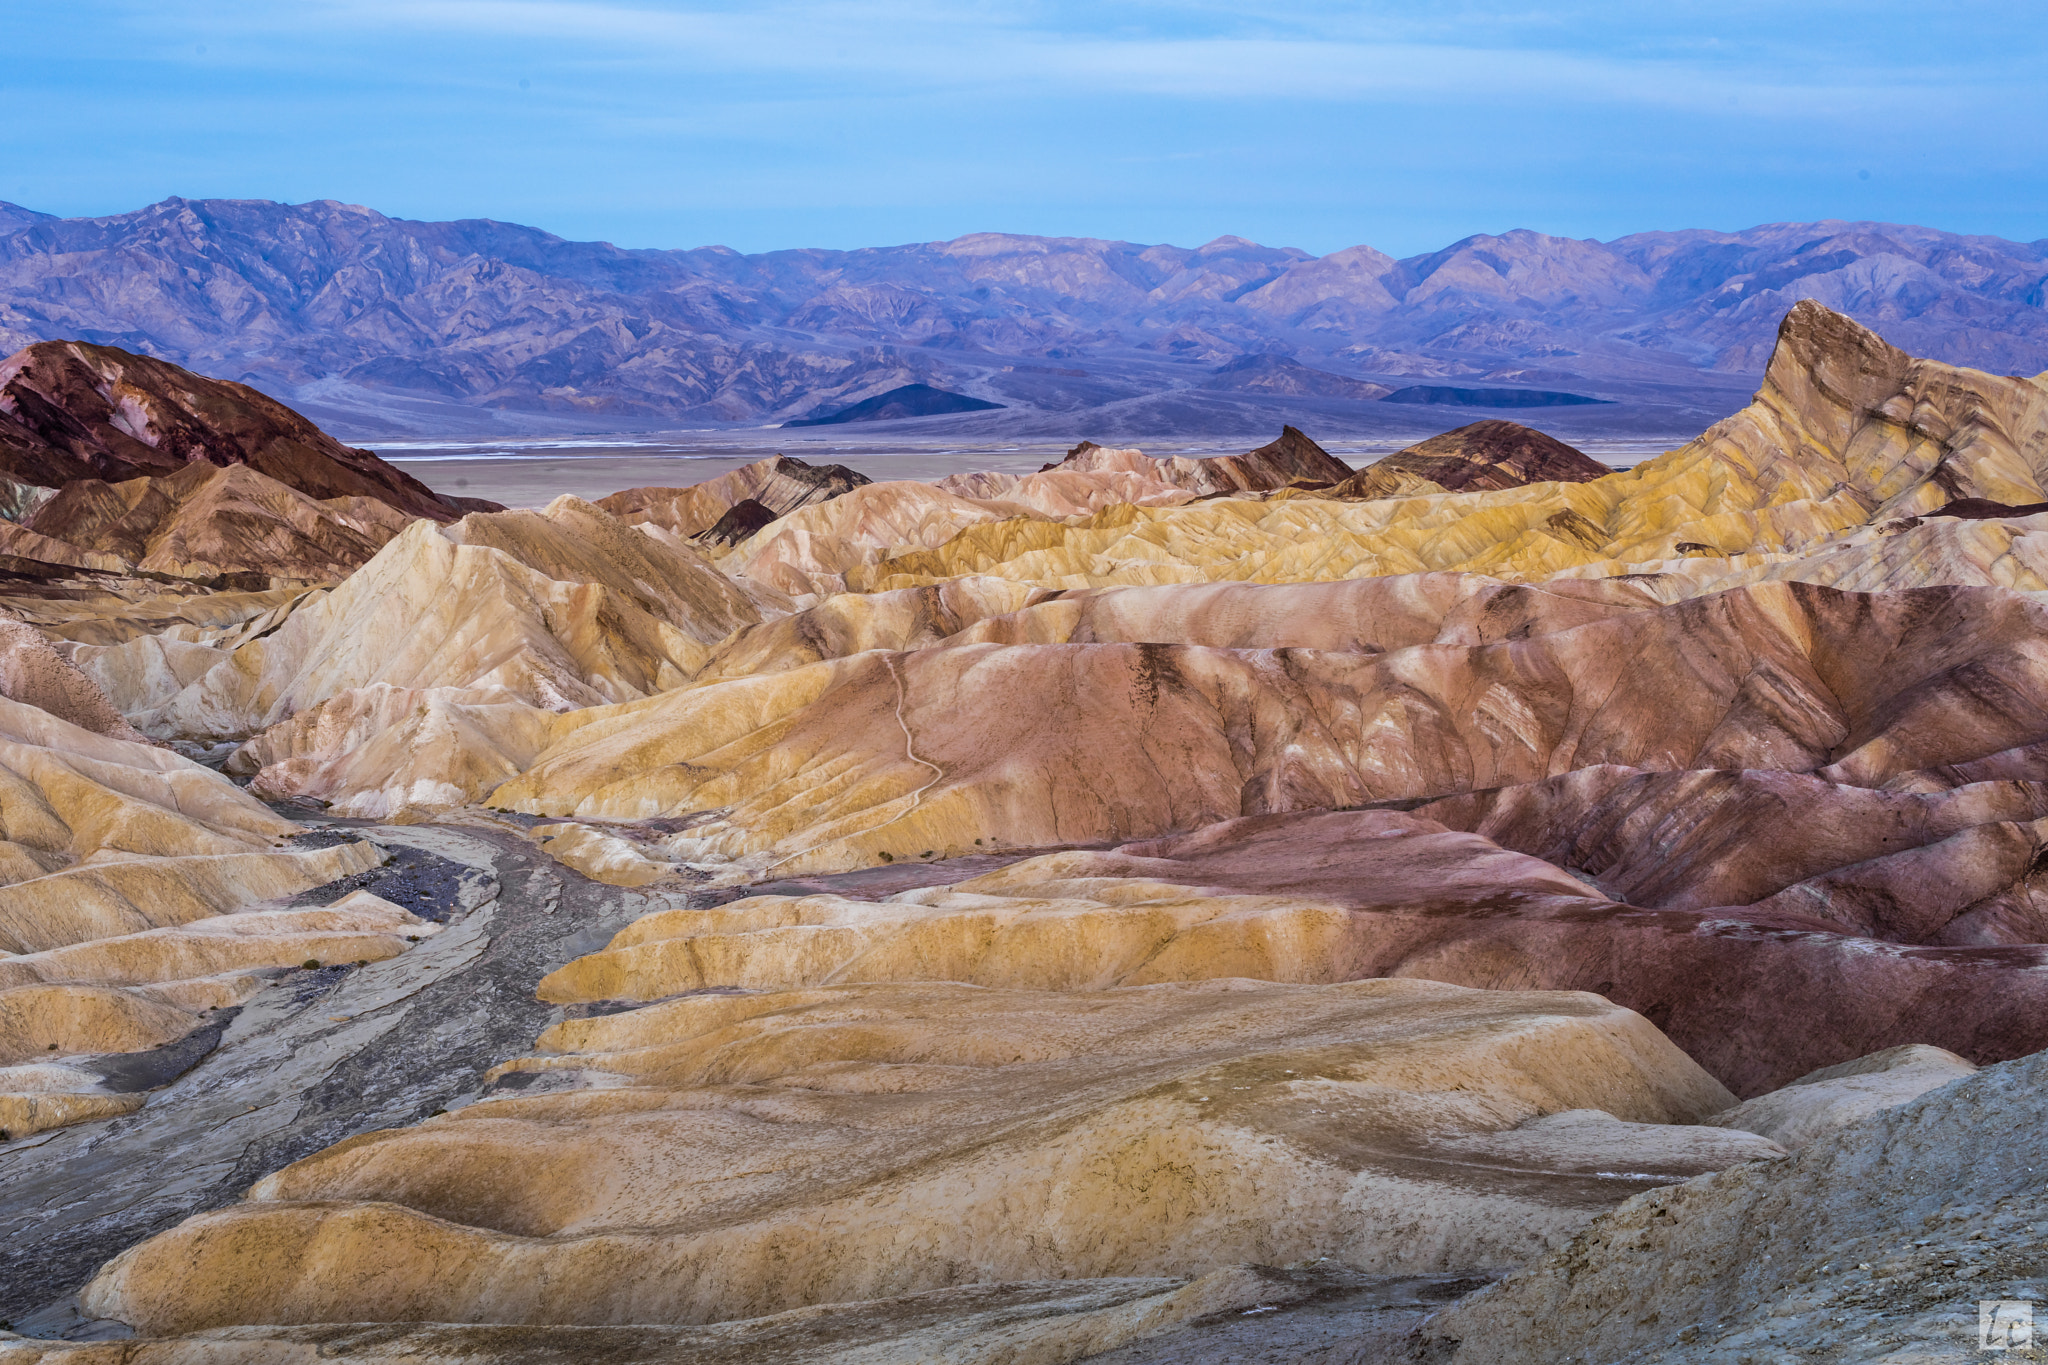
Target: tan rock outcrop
205, 521
1888, 1231
1067, 921
1058, 492
127, 877
1905, 552
851, 623
1837, 1096
835, 764
1846, 432
946, 1134
76, 797
25, 1111
780, 484
1364, 615
814, 549
555, 609
141, 991
41, 1019
1029, 1323
118, 610
34, 673
30, 553
1290, 458
92, 914
378, 750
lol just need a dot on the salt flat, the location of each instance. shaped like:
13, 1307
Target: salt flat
533, 472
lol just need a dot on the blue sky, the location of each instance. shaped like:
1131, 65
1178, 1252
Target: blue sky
760, 126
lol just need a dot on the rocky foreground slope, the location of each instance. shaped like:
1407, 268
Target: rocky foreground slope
1184, 910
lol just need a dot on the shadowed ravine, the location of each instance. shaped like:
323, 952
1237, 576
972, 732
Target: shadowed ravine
289, 1079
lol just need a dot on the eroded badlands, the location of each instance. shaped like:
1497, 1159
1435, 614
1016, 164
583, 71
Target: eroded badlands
1482, 897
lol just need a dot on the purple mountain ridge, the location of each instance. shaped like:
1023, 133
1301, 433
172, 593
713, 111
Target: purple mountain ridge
358, 318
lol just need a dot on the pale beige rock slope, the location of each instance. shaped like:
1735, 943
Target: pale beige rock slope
124, 870
1879, 1239
556, 609
1836, 1096
63, 1007
723, 1156
780, 484
126, 873
1030, 1323
1065, 492
111, 611
814, 550
378, 750
33, 672
945, 750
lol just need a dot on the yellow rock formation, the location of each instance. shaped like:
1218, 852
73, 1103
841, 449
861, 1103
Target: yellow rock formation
1846, 431
126, 873
130, 992
556, 609
728, 1156
69, 796
816, 549
1062, 921
943, 751
67, 1019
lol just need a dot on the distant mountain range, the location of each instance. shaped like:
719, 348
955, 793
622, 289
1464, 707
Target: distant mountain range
383, 325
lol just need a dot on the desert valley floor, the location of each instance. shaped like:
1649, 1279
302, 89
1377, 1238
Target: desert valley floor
1485, 906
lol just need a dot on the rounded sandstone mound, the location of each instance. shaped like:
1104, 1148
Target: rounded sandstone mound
39, 1020
725, 1156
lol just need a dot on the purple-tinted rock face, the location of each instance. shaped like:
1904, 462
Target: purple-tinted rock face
70, 410
1490, 454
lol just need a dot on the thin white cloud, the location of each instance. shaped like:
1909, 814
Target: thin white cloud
1019, 49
